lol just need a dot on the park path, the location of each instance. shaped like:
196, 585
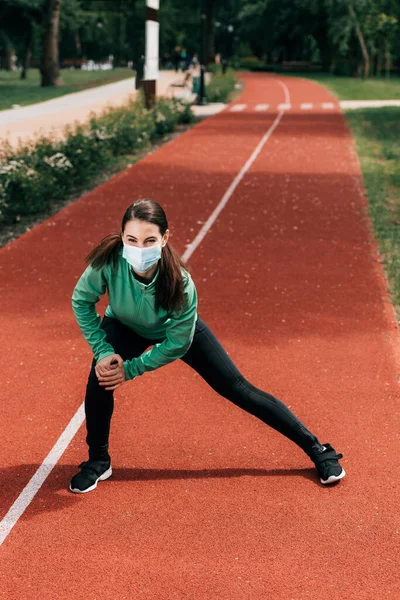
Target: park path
53, 115
205, 501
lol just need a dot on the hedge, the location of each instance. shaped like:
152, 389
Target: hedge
221, 86
43, 171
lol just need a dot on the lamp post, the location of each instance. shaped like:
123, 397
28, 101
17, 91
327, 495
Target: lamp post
201, 98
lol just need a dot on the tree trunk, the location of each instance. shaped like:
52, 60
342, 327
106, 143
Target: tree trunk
50, 68
387, 59
9, 54
136, 27
379, 63
361, 40
209, 31
27, 52
78, 45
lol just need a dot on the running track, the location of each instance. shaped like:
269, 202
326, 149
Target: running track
206, 502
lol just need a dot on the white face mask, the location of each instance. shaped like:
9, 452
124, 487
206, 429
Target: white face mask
142, 259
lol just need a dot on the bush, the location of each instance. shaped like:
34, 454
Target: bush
250, 62
221, 87
165, 116
37, 174
264, 68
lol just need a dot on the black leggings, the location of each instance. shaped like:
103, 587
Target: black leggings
210, 360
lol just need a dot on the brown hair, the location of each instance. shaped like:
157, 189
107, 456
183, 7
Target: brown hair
169, 284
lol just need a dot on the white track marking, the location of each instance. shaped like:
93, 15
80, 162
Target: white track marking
285, 90
37, 480
306, 106
262, 107
237, 107
328, 105
284, 106
212, 218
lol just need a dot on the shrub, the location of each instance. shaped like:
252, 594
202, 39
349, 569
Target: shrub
36, 174
165, 116
221, 86
250, 62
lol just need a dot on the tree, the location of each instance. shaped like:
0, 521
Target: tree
50, 68
360, 38
17, 19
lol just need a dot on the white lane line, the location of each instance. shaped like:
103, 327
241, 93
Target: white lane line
306, 106
284, 106
328, 105
285, 90
237, 107
37, 480
262, 107
214, 215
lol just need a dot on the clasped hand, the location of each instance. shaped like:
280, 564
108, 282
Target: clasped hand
110, 372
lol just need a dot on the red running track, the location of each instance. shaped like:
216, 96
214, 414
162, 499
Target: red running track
205, 501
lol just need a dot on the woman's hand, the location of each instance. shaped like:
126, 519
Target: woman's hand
110, 372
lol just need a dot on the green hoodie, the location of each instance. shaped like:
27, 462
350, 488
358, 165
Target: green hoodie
133, 303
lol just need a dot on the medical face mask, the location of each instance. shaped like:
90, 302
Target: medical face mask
142, 259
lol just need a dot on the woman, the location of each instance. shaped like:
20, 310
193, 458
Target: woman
153, 302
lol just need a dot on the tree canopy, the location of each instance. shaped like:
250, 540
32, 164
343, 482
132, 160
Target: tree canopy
345, 36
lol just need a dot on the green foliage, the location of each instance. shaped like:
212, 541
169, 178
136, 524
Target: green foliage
349, 88
377, 133
221, 86
323, 30
274, 31
42, 172
165, 116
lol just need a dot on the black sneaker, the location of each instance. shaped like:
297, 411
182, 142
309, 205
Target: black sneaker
327, 464
92, 471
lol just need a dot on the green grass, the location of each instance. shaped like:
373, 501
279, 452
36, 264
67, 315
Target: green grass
29, 91
377, 135
349, 88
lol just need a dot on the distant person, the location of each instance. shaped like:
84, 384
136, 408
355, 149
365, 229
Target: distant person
183, 60
195, 61
188, 61
166, 60
153, 302
176, 58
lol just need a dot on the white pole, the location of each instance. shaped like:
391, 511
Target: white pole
151, 72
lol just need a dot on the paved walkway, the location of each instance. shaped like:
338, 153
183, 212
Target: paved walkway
53, 115
346, 104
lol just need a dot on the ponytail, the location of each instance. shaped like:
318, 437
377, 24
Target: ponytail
106, 251
169, 285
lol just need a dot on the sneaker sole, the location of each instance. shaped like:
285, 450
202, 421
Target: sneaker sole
333, 478
105, 475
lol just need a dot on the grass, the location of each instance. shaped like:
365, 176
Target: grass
29, 91
377, 135
349, 88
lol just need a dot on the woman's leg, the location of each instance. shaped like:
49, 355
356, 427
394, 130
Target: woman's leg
210, 360
99, 403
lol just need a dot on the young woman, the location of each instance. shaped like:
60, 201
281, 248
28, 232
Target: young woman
153, 302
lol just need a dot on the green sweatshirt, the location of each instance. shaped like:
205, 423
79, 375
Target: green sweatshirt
133, 303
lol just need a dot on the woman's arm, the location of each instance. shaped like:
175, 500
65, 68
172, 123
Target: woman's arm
179, 337
91, 285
